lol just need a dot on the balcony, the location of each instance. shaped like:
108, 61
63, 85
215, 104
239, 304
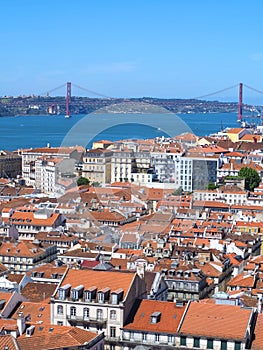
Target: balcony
83, 320
113, 340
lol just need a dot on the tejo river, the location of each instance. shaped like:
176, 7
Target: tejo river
38, 131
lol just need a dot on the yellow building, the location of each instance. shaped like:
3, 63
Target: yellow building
235, 134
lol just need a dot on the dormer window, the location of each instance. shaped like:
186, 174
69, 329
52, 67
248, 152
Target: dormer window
155, 317
90, 294
116, 296
63, 292
77, 292
103, 295
54, 275
87, 295
114, 299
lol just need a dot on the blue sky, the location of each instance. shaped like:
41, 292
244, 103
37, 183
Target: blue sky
132, 48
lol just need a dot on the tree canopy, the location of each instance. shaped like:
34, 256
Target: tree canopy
82, 181
252, 179
178, 191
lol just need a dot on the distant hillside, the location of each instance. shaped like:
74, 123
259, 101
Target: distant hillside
37, 105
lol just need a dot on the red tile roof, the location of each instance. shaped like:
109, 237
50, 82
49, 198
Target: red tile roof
101, 279
55, 337
8, 342
216, 321
258, 341
169, 319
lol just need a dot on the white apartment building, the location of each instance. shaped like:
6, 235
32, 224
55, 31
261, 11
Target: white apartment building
99, 301
164, 165
122, 164
30, 156
229, 197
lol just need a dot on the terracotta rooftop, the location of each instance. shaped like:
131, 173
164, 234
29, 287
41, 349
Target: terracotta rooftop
235, 130
170, 317
48, 270
38, 292
101, 279
8, 342
28, 218
55, 337
242, 280
257, 343
34, 312
225, 321
23, 249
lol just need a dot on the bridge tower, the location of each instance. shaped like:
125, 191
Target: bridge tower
68, 99
240, 102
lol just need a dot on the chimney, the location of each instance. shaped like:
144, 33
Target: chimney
21, 323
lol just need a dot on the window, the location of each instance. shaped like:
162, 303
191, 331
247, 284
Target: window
99, 314
113, 315
223, 345
75, 294
144, 336
157, 337
237, 345
113, 332
210, 344
183, 340
60, 310
87, 295
114, 299
86, 312
73, 312
196, 342
170, 339
101, 297
60, 323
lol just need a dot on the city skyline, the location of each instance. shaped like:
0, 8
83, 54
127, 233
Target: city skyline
167, 49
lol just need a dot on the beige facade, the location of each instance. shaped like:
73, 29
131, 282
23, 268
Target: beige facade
97, 166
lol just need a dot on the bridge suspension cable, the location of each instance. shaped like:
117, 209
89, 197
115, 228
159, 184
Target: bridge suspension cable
47, 93
215, 93
253, 89
91, 91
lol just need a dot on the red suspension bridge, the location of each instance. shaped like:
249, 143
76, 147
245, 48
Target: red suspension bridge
239, 86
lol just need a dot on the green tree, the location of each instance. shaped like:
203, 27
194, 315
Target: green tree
211, 186
252, 179
178, 191
82, 181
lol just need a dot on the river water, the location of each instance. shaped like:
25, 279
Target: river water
38, 131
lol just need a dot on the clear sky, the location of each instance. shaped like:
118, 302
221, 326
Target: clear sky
132, 48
